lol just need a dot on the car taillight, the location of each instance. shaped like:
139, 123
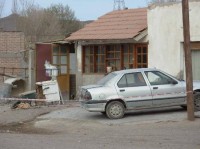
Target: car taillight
87, 96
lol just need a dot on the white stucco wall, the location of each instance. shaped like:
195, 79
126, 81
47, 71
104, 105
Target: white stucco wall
73, 63
84, 79
79, 65
165, 31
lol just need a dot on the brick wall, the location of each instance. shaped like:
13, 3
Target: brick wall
10, 58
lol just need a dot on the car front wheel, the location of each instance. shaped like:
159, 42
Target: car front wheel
197, 101
115, 110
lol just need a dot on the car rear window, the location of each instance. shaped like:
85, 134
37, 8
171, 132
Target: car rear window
107, 78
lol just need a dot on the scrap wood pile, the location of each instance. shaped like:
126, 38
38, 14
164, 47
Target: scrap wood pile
27, 100
21, 105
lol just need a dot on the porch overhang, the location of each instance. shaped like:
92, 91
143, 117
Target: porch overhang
136, 39
55, 42
142, 34
98, 42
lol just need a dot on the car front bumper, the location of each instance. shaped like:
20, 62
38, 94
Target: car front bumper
94, 105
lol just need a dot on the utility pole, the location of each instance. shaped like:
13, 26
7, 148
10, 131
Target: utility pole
188, 60
119, 5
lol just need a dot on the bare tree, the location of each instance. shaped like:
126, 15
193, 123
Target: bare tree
25, 5
39, 25
2, 2
69, 23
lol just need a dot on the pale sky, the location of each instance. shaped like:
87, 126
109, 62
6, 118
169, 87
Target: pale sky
84, 9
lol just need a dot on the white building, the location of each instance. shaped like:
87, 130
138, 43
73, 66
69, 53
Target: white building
165, 34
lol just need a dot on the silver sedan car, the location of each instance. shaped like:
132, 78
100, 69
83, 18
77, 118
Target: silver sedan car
136, 89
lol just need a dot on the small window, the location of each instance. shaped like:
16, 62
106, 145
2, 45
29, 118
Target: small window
96, 58
60, 58
132, 80
158, 78
63, 69
63, 59
56, 60
122, 83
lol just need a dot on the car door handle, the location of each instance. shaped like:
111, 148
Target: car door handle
122, 90
155, 88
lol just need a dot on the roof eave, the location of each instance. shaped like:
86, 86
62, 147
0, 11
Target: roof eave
141, 35
104, 41
137, 38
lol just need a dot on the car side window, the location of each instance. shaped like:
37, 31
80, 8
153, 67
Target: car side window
158, 78
131, 80
122, 82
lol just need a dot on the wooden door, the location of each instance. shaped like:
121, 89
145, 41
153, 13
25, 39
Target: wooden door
61, 60
43, 53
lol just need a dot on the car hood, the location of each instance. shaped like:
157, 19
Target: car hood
196, 85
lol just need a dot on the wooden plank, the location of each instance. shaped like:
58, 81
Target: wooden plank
195, 45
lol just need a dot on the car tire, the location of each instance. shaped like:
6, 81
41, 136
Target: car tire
197, 101
184, 107
115, 110
103, 113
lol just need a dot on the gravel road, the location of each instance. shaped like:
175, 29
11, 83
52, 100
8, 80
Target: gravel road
73, 128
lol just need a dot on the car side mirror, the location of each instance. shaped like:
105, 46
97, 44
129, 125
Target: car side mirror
174, 82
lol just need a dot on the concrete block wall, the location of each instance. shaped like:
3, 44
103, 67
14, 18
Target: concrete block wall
11, 43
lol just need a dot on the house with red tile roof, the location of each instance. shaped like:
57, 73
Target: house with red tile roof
116, 25
117, 40
124, 39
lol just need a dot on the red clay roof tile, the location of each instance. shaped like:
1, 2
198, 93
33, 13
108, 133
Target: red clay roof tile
122, 24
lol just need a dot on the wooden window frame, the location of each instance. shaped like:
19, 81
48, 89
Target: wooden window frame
100, 55
137, 53
59, 54
84, 62
114, 52
132, 53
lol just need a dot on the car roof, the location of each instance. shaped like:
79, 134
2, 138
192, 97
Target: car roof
135, 70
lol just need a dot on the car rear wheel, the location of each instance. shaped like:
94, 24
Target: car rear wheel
115, 110
184, 107
197, 101
103, 113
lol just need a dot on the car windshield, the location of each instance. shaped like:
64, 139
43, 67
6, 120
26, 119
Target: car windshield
180, 79
106, 79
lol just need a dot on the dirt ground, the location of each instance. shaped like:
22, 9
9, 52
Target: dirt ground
71, 127
16, 119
